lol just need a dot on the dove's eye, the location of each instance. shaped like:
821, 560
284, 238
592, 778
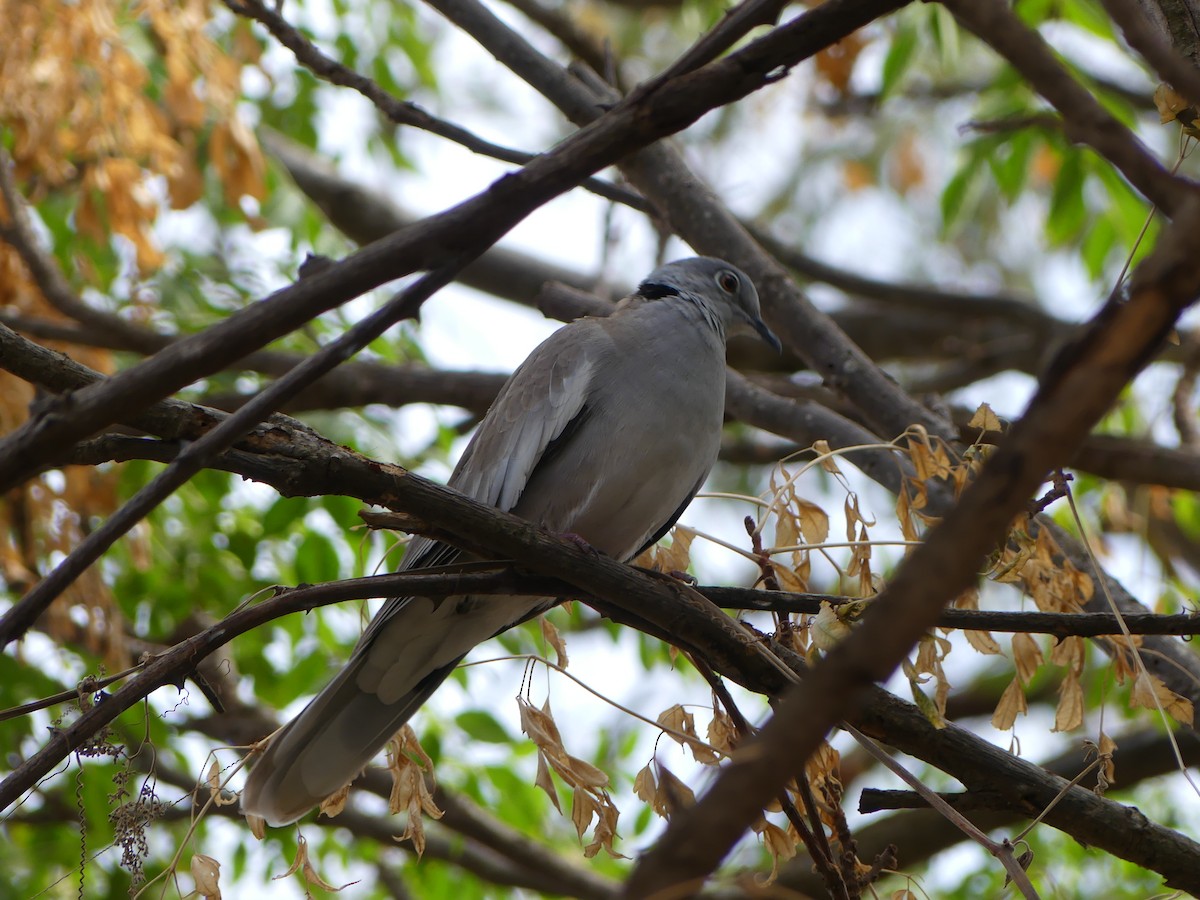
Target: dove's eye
728, 282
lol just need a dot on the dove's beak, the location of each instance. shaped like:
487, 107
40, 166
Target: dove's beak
766, 334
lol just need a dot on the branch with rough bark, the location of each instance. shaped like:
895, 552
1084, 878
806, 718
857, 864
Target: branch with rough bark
1081, 386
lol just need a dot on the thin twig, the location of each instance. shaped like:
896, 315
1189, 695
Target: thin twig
1001, 850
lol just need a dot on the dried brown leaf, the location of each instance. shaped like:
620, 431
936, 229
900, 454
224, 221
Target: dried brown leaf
335, 802
644, 785
1012, 703
604, 833
1027, 656
1069, 714
554, 639
983, 642
257, 825
779, 843
677, 719
206, 872
539, 725
583, 807
1070, 653
672, 794
580, 773
722, 733
546, 782
1147, 686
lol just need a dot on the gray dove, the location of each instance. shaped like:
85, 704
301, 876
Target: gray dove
606, 432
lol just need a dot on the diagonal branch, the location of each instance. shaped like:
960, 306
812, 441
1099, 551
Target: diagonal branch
467, 229
1084, 118
192, 458
1079, 388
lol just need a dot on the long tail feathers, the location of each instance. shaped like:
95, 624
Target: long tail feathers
403, 659
327, 745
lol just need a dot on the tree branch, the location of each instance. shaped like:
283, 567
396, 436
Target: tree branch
465, 230
1084, 118
1079, 388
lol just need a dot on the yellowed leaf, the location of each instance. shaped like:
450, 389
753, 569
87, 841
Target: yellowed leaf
1012, 703
554, 639
814, 522
1169, 103
1069, 714
930, 708
677, 557
790, 578
1027, 656
828, 460
827, 628
985, 419
787, 530
206, 872
1147, 686
983, 642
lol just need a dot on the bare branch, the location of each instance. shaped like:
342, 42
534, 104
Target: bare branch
1077, 390
465, 230
1084, 118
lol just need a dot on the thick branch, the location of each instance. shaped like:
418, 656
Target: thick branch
464, 230
1084, 118
1077, 391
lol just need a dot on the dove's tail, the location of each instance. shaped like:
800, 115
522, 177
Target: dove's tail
328, 744
405, 655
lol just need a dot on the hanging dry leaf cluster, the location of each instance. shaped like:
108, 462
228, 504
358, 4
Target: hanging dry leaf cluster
102, 101
91, 117
589, 795
408, 764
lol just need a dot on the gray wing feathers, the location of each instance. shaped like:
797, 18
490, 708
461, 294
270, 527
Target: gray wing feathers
548, 390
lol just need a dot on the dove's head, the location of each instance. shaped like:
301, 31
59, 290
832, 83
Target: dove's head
722, 291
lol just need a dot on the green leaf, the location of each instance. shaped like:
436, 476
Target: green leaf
482, 726
284, 514
317, 559
899, 57
1067, 210
1009, 163
954, 194
1098, 244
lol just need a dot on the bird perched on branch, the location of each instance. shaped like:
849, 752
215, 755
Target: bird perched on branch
606, 431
